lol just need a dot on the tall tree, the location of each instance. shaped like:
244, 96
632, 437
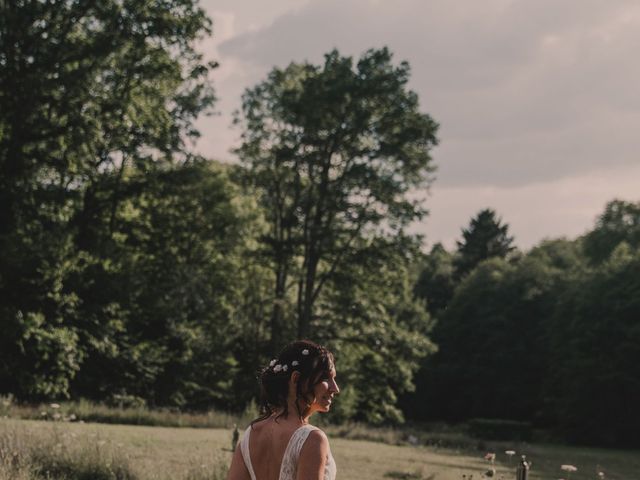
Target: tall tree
334, 151
87, 90
486, 237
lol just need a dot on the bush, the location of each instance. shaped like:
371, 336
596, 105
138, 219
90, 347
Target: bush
499, 429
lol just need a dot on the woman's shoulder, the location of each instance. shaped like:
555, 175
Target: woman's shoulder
316, 439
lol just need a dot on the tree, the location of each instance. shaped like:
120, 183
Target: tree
594, 343
88, 90
158, 305
485, 238
435, 285
377, 328
334, 151
620, 222
491, 358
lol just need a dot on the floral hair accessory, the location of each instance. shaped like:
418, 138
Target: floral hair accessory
277, 368
272, 362
295, 363
305, 352
285, 368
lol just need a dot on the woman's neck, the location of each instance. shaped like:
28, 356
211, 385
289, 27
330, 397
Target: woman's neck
291, 416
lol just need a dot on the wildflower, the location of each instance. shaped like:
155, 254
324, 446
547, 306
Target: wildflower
72, 417
272, 362
511, 453
305, 352
277, 368
43, 414
55, 405
56, 416
601, 474
295, 363
568, 468
285, 368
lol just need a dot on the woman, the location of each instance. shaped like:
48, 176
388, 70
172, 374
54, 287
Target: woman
281, 444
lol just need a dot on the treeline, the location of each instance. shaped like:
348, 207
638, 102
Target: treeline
133, 271
551, 336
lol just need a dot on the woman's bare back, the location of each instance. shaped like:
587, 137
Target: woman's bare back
268, 442
274, 451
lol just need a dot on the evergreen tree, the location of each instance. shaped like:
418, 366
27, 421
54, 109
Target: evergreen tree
486, 237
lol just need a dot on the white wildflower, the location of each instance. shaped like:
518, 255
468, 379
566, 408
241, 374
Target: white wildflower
55, 405
295, 363
305, 352
568, 468
272, 362
277, 368
511, 453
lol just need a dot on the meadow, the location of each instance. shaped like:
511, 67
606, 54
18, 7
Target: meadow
31, 449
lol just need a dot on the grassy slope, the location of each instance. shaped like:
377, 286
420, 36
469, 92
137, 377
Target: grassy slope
161, 453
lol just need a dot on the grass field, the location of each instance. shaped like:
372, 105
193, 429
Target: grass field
199, 454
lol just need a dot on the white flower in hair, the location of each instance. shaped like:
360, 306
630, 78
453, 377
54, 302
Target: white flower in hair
305, 352
272, 362
295, 363
277, 368
285, 368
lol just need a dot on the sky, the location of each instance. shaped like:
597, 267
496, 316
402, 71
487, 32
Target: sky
538, 101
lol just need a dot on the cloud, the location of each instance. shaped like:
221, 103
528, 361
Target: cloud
564, 207
526, 92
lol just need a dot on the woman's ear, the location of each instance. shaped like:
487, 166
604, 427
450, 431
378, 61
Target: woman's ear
295, 376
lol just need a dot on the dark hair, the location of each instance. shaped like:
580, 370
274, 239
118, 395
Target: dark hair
314, 363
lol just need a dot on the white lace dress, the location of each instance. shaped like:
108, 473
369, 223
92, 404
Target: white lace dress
291, 454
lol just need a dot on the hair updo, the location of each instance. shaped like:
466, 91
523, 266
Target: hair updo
314, 363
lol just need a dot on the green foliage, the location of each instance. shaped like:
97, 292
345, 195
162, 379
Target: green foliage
485, 238
549, 337
91, 97
333, 151
376, 327
436, 283
488, 337
620, 222
595, 336
169, 264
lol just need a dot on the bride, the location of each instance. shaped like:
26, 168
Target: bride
281, 444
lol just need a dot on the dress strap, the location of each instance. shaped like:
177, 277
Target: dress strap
244, 448
292, 452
